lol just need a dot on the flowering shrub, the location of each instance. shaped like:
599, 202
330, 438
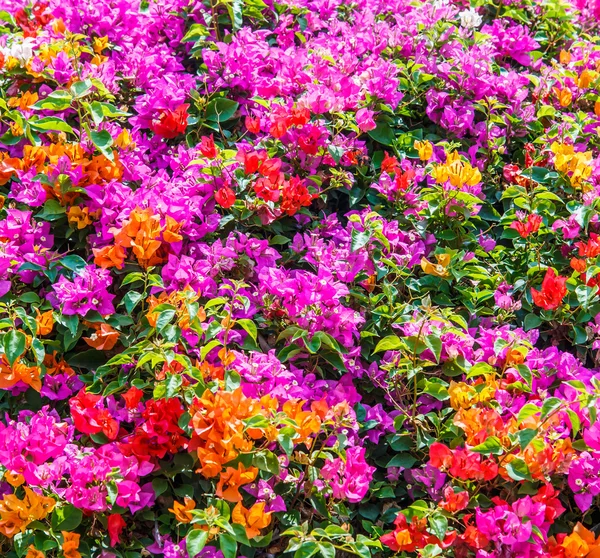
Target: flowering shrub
306, 278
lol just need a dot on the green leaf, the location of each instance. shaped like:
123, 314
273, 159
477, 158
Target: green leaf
359, 239
532, 321
195, 33
525, 436
14, 343
389, 343
550, 405
90, 360
438, 525
326, 549
527, 410
434, 343
405, 460
221, 109
57, 100
517, 470
308, 549
50, 123
131, 299
74, 263
492, 445
173, 383
164, 318
195, 542
51, 211
81, 88
66, 518
383, 134
232, 380
103, 141
228, 546
575, 422
249, 326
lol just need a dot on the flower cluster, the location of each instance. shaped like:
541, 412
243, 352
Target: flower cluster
299, 278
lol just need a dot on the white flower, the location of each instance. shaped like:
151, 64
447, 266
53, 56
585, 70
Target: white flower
23, 52
470, 19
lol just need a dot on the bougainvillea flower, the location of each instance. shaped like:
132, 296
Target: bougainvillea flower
528, 227
171, 123
440, 269
182, 511
552, 293
116, 524
253, 519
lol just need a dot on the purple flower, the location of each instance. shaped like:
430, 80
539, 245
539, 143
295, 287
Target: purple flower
87, 291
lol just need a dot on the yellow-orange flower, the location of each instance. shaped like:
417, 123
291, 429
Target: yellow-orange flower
11, 375
33, 552
440, 269
14, 479
253, 519
70, 544
44, 322
564, 57
182, 512
425, 149
16, 515
564, 96
232, 479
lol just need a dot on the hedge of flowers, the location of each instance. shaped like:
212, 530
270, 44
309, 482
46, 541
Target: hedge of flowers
299, 278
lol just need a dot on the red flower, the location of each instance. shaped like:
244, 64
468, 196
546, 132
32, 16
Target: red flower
252, 124
208, 147
171, 123
299, 116
403, 180
440, 455
225, 197
553, 291
589, 249
309, 143
528, 227
132, 397
295, 196
389, 164
266, 190
410, 537
454, 501
116, 524
270, 168
90, 419
250, 159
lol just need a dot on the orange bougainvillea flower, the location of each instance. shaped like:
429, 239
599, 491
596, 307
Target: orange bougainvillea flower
220, 434
24, 101
253, 519
104, 339
564, 96
182, 512
19, 372
232, 479
110, 256
440, 269
578, 265
33, 552
307, 422
79, 216
14, 479
54, 366
565, 57
70, 544
16, 514
581, 542
44, 322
